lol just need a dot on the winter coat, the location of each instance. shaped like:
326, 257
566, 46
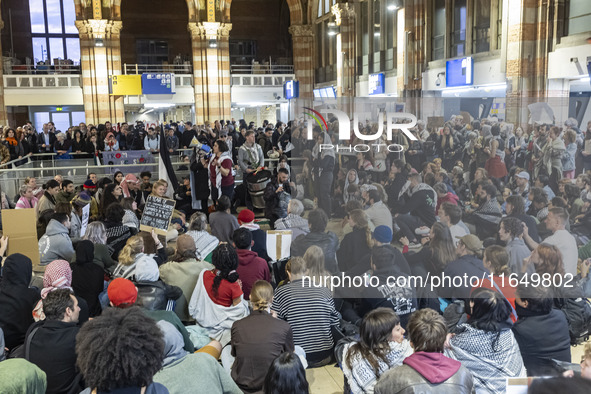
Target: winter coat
327, 241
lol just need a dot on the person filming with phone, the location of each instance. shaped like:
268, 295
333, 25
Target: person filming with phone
277, 196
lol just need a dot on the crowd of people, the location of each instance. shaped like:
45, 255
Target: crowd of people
204, 308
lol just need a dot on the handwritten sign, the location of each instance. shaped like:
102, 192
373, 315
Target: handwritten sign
157, 214
85, 217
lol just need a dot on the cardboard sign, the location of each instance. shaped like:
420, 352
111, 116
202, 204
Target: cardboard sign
85, 217
20, 225
434, 122
278, 244
157, 214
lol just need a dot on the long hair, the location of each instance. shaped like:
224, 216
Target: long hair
550, 260
442, 245
286, 375
96, 233
498, 259
225, 260
108, 198
133, 246
359, 217
261, 295
374, 337
314, 258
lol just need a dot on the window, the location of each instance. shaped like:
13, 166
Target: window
481, 35
324, 7
151, 51
579, 17
53, 31
458, 34
438, 34
377, 31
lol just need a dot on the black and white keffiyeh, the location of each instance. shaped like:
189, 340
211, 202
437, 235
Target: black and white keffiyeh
491, 357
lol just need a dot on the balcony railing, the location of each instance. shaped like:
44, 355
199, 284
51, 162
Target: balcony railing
157, 68
250, 80
42, 81
261, 69
43, 69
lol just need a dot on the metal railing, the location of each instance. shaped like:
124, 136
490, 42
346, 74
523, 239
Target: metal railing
157, 68
254, 80
42, 81
44, 69
261, 69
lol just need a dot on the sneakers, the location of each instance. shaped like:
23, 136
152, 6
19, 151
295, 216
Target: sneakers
414, 245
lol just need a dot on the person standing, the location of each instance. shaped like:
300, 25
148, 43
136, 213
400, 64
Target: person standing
220, 171
250, 159
324, 162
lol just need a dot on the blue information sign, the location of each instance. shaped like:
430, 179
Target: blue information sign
158, 83
291, 89
377, 84
459, 72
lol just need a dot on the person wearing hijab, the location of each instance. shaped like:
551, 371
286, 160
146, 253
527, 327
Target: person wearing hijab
324, 162
25, 377
17, 300
87, 278
184, 372
58, 275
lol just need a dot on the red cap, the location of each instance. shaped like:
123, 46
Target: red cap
122, 291
246, 216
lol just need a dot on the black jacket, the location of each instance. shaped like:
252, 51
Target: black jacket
200, 177
327, 241
542, 337
53, 349
272, 198
17, 300
465, 265
353, 249
41, 141
421, 204
394, 187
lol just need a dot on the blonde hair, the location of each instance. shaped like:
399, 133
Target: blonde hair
157, 184
297, 265
314, 258
133, 246
261, 295
587, 353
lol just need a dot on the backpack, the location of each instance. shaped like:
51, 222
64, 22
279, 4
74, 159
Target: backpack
578, 316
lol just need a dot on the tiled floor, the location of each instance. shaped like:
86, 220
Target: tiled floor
325, 380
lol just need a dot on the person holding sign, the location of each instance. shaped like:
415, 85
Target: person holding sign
220, 171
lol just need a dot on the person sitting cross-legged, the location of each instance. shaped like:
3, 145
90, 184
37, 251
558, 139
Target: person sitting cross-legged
250, 266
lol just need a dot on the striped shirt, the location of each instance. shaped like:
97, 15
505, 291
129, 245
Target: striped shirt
310, 312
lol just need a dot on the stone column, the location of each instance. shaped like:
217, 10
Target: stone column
303, 58
211, 70
3, 114
527, 57
345, 13
97, 63
412, 62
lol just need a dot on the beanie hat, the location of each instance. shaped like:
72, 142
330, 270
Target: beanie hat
383, 234
246, 216
89, 184
122, 291
81, 200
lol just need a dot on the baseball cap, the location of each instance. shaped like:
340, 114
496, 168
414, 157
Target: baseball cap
122, 291
523, 175
383, 234
472, 242
246, 216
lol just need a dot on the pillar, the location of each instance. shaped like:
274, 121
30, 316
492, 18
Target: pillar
3, 114
412, 62
211, 70
527, 57
303, 58
97, 64
345, 17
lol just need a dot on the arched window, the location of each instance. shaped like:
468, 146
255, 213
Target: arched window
53, 31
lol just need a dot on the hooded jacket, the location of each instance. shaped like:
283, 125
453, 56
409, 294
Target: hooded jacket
55, 244
422, 203
327, 241
17, 300
250, 269
87, 277
424, 372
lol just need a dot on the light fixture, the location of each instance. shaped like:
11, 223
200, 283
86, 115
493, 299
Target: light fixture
438, 80
158, 105
332, 29
393, 5
99, 42
213, 43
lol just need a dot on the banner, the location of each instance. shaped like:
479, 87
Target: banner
129, 157
85, 217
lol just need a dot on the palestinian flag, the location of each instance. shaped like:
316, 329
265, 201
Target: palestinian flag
165, 170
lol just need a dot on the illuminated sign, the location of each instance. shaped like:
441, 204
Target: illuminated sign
459, 72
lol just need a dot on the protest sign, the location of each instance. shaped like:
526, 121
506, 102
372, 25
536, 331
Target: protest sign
20, 225
157, 214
